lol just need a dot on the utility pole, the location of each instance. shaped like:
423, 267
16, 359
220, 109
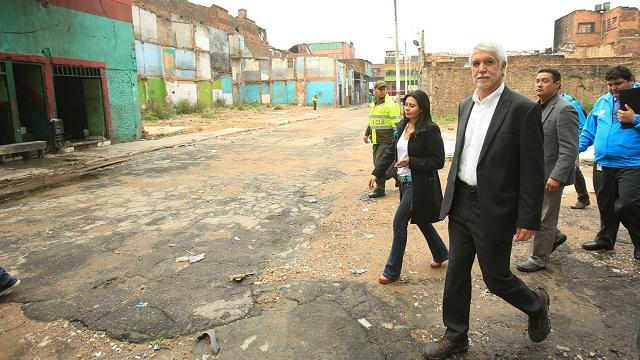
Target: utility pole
404, 57
395, 16
421, 59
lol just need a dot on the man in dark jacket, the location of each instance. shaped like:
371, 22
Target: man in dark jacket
494, 190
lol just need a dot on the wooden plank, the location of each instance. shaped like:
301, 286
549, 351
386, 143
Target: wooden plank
22, 147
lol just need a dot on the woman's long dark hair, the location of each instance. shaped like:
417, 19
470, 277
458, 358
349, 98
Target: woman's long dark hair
425, 107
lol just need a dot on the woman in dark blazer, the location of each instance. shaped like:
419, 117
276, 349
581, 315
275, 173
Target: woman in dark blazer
418, 150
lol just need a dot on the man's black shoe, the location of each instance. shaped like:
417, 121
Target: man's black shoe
540, 324
594, 245
444, 348
376, 193
8, 287
558, 242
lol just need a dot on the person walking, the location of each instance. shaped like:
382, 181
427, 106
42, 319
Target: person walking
7, 282
580, 184
560, 128
494, 190
418, 152
314, 100
384, 114
614, 133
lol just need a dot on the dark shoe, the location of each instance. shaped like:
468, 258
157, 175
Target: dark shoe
385, 280
580, 205
540, 324
444, 348
558, 242
376, 193
13, 282
636, 253
529, 266
594, 245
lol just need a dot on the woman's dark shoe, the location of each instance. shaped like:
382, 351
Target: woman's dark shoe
385, 280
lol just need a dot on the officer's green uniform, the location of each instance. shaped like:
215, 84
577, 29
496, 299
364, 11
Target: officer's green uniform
383, 117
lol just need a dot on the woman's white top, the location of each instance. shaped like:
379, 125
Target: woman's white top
402, 151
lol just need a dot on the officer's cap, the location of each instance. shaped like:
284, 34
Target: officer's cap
380, 83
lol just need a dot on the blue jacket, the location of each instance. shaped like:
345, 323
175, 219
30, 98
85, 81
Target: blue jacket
614, 146
582, 118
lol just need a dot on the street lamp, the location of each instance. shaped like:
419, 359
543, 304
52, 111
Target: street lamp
395, 16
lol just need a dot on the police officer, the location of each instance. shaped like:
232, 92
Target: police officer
384, 113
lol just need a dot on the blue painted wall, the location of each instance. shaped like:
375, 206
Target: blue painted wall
283, 92
324, 89
250, 93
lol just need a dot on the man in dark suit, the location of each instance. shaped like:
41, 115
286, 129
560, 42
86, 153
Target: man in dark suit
560, 127
494, 190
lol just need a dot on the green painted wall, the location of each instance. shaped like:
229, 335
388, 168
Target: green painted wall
152, 90
94, 106
205, 96
29, 28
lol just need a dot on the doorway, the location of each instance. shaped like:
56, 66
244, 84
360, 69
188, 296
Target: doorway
31, 100
79, 102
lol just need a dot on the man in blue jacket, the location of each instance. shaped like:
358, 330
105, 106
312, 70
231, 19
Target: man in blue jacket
615, 135
580, 184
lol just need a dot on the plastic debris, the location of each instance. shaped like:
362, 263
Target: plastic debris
182, 258
364, 323
358, 271
142, 304
206, 344
156, 346
196, 258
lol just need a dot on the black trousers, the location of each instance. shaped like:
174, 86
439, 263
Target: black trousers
466, 239
581, 186
618, 194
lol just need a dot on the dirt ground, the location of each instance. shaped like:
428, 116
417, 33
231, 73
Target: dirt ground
353, 243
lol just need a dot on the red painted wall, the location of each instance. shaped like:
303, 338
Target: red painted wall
113, 9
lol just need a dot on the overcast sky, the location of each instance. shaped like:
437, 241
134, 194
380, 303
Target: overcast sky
449, 25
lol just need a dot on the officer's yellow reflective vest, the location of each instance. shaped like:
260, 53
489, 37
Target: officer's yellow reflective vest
383, 119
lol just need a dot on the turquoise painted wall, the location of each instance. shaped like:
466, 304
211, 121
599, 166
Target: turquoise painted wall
29, 28
324, 90
283, 92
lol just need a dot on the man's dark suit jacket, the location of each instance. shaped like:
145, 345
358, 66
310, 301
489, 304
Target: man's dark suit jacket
510, 168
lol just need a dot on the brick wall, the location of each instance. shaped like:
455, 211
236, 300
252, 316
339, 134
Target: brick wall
447, 81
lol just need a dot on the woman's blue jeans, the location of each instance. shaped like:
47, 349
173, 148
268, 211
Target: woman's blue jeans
400, 223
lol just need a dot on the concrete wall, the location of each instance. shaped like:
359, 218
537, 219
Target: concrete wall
30, 28
448, 81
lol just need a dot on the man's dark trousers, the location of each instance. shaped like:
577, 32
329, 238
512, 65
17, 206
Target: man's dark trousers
581, 186
618, 195
465, 241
